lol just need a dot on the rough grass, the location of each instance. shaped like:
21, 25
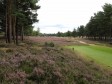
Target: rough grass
101, 54
35, 63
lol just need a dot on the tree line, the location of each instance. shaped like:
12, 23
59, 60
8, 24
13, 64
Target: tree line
99, 26
79, 32
17, 17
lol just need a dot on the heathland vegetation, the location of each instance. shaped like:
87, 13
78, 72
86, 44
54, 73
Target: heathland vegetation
44, 60
48, 60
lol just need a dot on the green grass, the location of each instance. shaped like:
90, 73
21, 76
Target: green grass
101, 54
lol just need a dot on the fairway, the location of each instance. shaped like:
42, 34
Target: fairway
101, 54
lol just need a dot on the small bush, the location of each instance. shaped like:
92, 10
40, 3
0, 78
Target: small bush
1, 78
33, 51
28, 69
62, 49
51, 44
9, 50
46, 44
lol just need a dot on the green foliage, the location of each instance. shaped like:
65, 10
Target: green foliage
60, 34
99, 26
28, 31
66, 34
1, 33
2, 16
80, 79
50, 44
74, 33
36, 33
9, 51
26, 66
81, 31
17, 17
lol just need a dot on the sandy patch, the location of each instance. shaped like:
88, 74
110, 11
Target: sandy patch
82, 42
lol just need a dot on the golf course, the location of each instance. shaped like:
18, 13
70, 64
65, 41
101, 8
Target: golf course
55, 41
99, 53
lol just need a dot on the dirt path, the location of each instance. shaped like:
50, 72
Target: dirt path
85, 43
82, 42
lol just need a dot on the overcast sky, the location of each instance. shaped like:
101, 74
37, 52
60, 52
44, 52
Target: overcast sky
64, 15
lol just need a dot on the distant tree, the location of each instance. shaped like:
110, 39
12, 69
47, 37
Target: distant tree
36, 33
68, 33
81, 31
59, 34
107, 8
74, 33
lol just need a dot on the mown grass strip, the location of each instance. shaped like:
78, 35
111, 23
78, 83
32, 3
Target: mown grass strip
99, 53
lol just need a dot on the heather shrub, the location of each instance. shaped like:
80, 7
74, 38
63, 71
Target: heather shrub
33, 51
28, 65
50, 44
9, 50
46, 44
1, 77
27, 68
2, 45
37, 75
80, 79
49, 65
61, 49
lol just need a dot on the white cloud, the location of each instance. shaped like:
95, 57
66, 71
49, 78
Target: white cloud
67, 13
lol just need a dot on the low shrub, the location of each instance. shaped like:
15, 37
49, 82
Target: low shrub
50, 44
9, 50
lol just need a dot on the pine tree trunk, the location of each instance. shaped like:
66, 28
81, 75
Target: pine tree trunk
16, 32
22, 34
10, 29
9, 22
6, 24
13, 28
